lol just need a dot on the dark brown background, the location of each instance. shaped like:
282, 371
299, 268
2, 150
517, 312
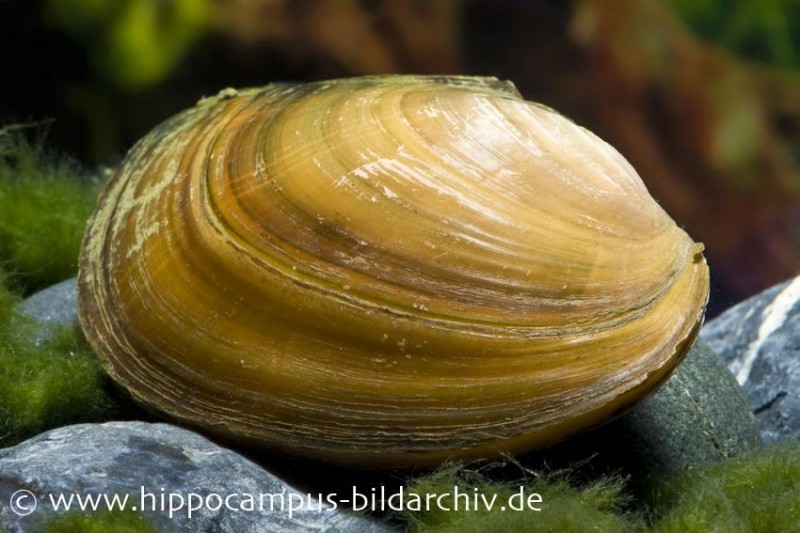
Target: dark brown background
714, 135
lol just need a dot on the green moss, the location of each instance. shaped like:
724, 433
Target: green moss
749, 493
44, 204
758, 492
116, 521
7, 301
56, 383
563, 508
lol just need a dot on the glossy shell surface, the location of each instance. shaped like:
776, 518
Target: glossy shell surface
385, 271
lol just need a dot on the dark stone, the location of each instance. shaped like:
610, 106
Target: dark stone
759, 339
147, 460
698, 415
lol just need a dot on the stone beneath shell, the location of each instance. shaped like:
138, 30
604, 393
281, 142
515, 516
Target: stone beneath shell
386, 271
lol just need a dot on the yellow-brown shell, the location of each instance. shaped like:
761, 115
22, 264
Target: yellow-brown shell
385, 271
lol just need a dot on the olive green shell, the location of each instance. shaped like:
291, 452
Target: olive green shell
385, 271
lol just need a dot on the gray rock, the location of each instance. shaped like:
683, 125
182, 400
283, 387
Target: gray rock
148, 461
54, 305
759, 339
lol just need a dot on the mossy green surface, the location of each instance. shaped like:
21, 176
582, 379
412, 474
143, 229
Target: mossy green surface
53, 384
597, 507
101, 522
749, 493
759, 492
44, 204
8, 300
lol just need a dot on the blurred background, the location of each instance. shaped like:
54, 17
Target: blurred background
701, 96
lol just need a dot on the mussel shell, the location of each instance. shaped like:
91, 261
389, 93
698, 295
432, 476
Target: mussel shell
385, 271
